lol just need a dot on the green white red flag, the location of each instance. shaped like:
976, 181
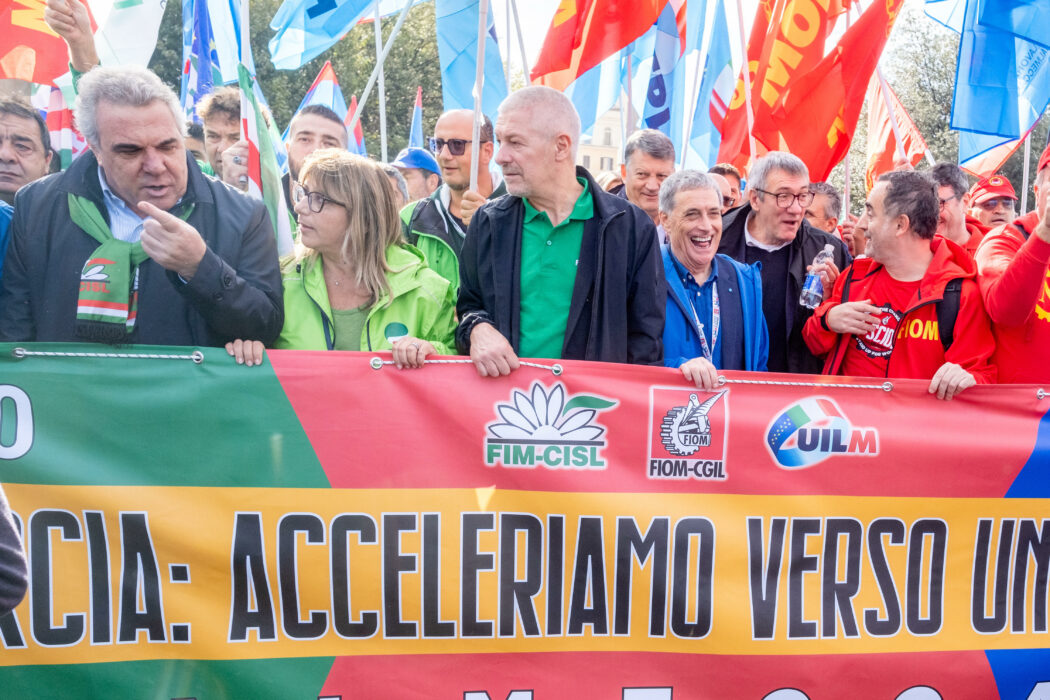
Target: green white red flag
264, 178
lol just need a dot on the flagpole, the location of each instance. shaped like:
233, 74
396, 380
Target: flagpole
479, 84
506, 69
846, 187
382, 85
1027, 158
375, 72
747, 83
630, 102
521, 45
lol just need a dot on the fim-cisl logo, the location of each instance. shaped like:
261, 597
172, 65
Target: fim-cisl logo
811, 430
687, 434
548, 427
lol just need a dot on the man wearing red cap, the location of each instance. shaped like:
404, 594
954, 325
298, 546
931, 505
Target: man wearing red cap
992, 201
1012, 272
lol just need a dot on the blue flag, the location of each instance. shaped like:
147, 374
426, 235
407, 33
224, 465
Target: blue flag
200, 70
305, 28
595, 92
1002, 79
660, 95
716, 90
457, 36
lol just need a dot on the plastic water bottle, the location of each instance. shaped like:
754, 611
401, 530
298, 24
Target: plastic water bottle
813, 289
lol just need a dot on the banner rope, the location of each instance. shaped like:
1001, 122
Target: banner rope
196, 356
555, 369
885, 386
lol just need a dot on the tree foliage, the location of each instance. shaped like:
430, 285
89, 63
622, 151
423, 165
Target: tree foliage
412, 61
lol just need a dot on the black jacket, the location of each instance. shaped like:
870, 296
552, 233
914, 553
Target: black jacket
617, 308
808, 242
236, 292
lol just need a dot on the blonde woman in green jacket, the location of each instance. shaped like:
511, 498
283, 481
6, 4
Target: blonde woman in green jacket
352, 283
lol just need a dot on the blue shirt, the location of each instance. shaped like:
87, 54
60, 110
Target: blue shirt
124, 223
701, 298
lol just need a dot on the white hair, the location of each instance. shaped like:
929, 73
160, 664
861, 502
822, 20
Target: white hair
127, 86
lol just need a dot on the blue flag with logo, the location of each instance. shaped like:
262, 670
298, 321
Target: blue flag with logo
660, 96
1002, 77
457, 37
305, 28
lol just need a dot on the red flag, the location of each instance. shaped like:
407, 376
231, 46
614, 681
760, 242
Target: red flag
29, 49
583, 33
882, 143
819, 111
787, 40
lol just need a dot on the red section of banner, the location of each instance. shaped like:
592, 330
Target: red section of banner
607, 428
959, 676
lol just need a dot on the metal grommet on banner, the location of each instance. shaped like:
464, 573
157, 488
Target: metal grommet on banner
19, 353
721, 380
1039, 394
887, 386
375, 363
557, 369
197, 357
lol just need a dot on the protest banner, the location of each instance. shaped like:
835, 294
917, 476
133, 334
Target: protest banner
329, 526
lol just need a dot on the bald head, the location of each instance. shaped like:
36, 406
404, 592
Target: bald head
555, 112
538, 132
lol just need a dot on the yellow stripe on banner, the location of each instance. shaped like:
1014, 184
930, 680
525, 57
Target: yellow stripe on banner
210, 573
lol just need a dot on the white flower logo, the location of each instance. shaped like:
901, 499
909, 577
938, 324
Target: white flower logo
549, 417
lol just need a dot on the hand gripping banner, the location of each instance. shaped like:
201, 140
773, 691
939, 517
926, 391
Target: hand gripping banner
327, 526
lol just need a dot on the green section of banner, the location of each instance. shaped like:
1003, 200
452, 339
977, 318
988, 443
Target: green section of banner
250, 437
288, 679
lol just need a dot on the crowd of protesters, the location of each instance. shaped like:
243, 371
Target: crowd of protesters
149, 237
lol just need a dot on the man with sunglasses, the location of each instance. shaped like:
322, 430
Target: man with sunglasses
438, 224
992, 201
771, 228
953, 222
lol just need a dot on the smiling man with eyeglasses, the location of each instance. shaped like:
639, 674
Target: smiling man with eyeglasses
438, 224
771, 228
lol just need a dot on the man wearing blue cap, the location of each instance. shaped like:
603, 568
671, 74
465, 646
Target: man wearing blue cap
420, 171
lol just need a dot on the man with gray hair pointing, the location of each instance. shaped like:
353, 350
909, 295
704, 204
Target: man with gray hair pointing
133, 244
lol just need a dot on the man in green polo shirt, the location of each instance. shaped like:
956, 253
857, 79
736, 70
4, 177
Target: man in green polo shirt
560, 269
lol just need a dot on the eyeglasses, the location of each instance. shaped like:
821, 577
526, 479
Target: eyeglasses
455, 146
786, 199
314, 200
993, 204
944, 202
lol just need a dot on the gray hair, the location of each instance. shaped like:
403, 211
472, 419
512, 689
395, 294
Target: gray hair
650, 142
127, 86
686, 180
775, 160
552, 109
395, 175
833, 209
913, 194
950, 175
